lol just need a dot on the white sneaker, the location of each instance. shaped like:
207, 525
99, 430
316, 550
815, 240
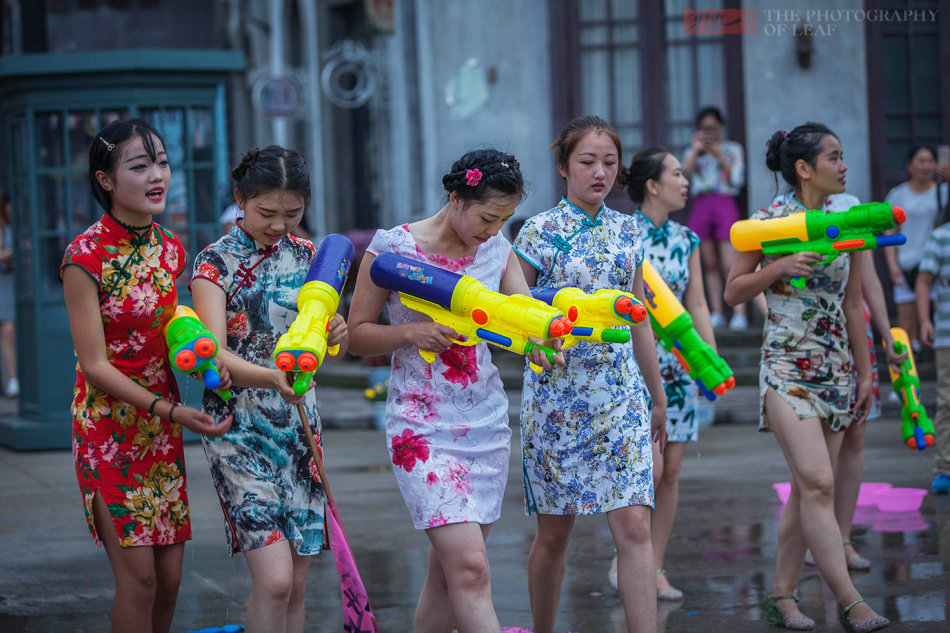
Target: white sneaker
13, 388
738, 322
717, 320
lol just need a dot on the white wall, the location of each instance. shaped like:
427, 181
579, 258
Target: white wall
780, 95
512, 38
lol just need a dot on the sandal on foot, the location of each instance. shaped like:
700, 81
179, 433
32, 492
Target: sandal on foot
612, 574
668, 593
857, 562
774, 615
864, 626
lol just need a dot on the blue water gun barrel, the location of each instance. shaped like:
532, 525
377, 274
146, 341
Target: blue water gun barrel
424, 281
331, 262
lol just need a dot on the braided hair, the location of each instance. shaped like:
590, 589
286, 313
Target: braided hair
272, 168
485, 173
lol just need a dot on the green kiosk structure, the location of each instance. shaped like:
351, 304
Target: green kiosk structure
52, 106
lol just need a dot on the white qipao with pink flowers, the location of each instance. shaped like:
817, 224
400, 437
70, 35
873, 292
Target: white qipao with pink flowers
447, 422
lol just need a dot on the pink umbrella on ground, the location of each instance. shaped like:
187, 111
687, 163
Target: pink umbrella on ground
357, 615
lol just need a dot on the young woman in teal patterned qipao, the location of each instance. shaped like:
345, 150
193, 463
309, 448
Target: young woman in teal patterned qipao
805, 379
586, 431
655, 182
245, 289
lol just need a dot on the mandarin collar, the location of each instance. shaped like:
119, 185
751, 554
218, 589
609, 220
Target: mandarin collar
246, 240
585, 217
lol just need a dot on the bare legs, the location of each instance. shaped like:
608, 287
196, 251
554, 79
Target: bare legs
717, 259
8, 351
811, 451
146, 579
848, 475
278, 581
907, 319
666, 481
547, 561
457, 590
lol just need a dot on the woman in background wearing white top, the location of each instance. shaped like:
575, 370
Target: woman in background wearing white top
918, 198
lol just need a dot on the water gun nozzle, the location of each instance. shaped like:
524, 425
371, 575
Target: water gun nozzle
560, 327
285, 361
899, 215
307, 362
186, 360
205, 347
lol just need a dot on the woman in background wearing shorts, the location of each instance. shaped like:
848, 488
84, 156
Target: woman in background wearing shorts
716, 172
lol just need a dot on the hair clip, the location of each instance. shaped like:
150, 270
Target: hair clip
783, 133
109, 146
473, 177
505, 165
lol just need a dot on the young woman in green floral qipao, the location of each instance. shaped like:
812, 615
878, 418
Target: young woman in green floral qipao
586, 431
119, 284
806, 375
656, 184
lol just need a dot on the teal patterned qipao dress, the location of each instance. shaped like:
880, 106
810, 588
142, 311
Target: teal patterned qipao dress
585, 429
668, 248
262, 467
805, 352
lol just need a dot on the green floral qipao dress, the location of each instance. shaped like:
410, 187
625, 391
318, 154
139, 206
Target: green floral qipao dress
585, 429
668, 248
262, 467
805, 351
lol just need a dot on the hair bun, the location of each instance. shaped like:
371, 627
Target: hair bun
773, 147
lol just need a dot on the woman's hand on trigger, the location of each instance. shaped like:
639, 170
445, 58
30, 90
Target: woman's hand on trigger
224, 375
797, 264
430, 336
281, 383
200, 422
539, 357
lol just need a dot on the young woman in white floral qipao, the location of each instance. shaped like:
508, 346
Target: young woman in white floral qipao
586, 430
447, 423
245, 288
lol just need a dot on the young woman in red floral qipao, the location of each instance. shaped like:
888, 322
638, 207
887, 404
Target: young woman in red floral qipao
119, 283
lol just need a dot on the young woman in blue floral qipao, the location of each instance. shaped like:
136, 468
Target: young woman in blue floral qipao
245, 290
806, 375
656, 184
586, 431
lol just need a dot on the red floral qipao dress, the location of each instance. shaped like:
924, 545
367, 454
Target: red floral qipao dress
447, 422
134, 460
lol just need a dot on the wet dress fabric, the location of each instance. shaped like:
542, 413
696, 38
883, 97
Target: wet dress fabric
447, 422
134, 460
805, 351
262, 467
668, 248
585, 428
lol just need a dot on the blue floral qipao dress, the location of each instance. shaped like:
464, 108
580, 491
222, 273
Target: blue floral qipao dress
585, 429
262, 467
447, 422
805, 352
668, 248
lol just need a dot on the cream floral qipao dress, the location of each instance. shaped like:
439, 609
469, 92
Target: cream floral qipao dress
805, 352
585, 430
447, 422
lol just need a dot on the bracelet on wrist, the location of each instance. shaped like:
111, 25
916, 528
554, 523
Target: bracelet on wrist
151, 407
170, 411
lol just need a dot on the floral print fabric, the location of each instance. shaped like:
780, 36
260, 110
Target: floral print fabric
805, 353
262, 467
135, 461
668, 248
447, 423
585, 431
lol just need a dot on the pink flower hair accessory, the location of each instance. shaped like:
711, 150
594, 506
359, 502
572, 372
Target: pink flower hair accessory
473, 177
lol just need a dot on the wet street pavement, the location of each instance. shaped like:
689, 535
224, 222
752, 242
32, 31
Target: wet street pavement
721, 553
